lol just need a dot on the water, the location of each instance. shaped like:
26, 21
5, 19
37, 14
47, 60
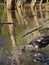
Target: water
20, 28
39, 57
2, 39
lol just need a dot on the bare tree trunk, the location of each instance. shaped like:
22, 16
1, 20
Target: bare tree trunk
21, 16
40, 4
9, 4
9, 19
33, 12
35, 22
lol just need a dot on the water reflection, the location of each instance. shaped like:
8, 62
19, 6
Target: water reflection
2, 39
43, 18
39, 57
19, 30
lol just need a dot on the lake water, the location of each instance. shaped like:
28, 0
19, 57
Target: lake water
23, 27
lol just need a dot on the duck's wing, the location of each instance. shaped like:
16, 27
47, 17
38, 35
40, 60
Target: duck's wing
38, 40
45, 40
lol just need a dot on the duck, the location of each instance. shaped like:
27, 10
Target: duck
39, 42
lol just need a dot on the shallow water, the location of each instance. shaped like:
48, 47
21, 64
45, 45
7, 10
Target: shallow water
39, 57
43, 19
21, 29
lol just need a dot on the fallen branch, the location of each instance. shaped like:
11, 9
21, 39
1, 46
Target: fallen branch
32, 31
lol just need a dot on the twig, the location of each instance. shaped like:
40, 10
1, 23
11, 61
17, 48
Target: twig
31, 31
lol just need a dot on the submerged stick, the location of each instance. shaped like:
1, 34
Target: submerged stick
31, 31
